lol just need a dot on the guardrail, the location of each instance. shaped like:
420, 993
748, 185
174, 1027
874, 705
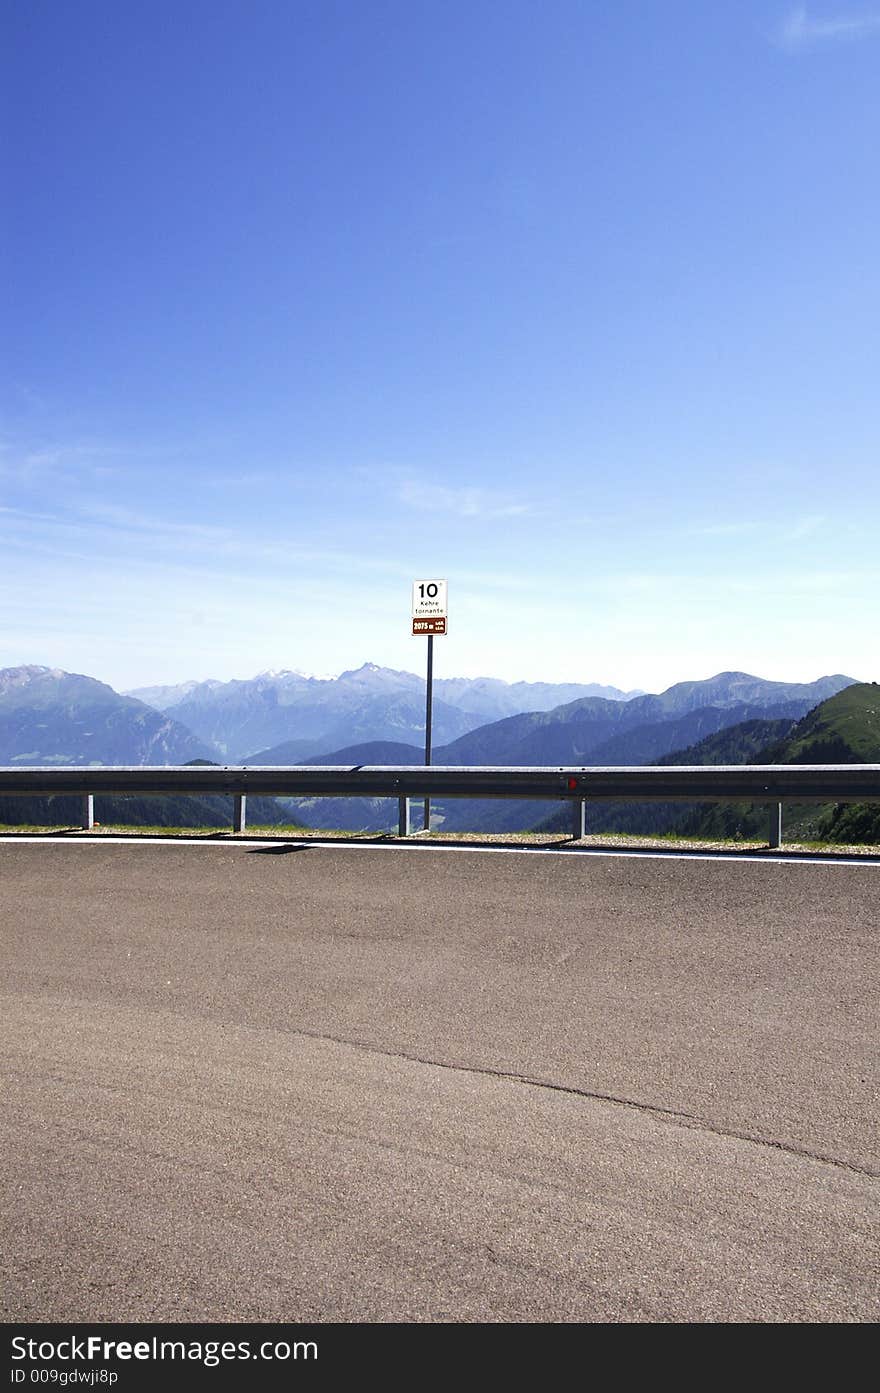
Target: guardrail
774, 784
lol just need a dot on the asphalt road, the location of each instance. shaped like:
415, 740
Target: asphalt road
342, 1084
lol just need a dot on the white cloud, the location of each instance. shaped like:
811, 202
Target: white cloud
770, 530
728, 529
800, 29
126, 537
130, 519
47, 465
806, 526
463, 502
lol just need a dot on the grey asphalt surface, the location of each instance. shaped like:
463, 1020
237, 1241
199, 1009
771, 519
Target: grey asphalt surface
336, 1083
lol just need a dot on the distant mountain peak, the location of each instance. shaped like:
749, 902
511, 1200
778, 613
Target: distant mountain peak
26, 671
51, 716
34, 675
376, 670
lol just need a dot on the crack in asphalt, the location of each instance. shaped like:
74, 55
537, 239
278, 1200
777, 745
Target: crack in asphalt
691, 1121
685, 1119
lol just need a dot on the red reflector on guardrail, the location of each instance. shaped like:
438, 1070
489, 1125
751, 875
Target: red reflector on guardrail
572, 783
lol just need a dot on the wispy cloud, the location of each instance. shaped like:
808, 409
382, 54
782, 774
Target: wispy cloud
463, 502
49, 460
130, 519
46, 464
728, 529
112, 535
248, 479
806, 526
802, 30
766, 529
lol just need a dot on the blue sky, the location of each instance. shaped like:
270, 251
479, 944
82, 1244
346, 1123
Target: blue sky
574, 304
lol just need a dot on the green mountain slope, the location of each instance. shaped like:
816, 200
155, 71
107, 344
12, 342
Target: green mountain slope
739, 744
843, 730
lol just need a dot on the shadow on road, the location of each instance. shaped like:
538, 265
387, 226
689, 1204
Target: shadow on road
283, 850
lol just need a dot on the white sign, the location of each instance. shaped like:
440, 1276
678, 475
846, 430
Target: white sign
429, 613
429, 599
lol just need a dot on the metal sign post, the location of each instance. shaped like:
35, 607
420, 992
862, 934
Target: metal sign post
429, 615
429, 696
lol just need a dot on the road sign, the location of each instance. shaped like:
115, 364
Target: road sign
429, 614
429, 618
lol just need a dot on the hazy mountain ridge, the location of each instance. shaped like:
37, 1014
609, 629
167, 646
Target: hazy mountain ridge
287, 716
576, 733
369, 702
48, 716
741, 688
651, 743
162, 698
493, 699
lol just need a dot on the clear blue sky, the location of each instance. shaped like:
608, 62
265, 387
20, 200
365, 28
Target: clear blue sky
574, 304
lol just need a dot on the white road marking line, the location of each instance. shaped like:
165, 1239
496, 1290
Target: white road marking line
768, 858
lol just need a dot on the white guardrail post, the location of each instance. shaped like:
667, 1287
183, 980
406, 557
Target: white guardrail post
403, 827
239, 812
87, 820
775, 835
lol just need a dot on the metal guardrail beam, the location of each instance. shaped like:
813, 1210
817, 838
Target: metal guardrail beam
802, 783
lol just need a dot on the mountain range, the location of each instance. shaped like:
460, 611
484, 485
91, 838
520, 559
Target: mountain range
313, 714
52, 717
591, 731
48, 716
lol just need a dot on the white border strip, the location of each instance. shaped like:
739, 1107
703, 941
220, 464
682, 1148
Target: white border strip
735, 857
